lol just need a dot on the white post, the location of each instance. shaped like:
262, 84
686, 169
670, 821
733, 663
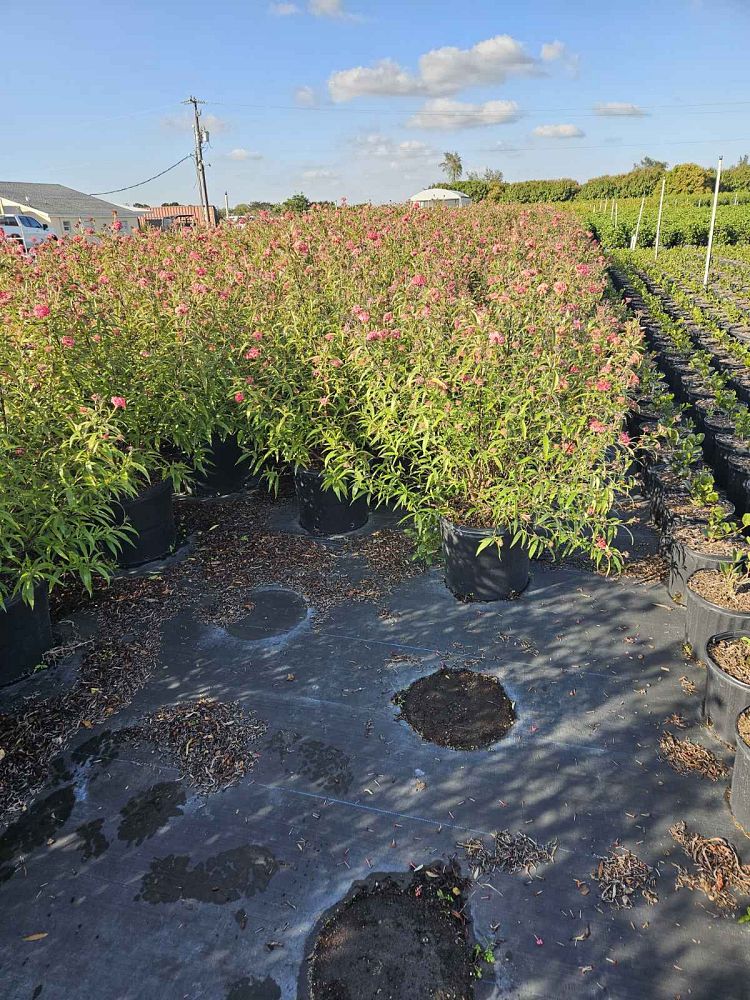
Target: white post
634, 241
615, 215
226, 205
713, 223
658, 221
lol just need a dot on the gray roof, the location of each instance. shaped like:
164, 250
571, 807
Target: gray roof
55, 199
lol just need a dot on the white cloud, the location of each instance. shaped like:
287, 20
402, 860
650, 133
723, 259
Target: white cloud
184, 123
305, 97
386, 151
243, 154
441, 71
445, 113
384, 78
284, 9
619, 109
558, 51
559, 131
319, 174
329, 8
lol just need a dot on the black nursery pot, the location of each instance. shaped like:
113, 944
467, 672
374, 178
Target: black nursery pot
740, 794
493, 575
25, 634
704, 619
725, 696
150, 513
320, 510
683, 560
226, 470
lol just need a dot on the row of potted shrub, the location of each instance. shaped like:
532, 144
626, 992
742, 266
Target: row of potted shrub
468, 368
708, 555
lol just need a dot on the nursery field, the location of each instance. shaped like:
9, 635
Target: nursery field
684, 222
375, 590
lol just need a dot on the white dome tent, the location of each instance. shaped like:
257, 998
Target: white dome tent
433, 197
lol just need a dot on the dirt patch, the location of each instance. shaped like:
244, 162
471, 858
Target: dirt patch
508, 852
711, 586
110, 673
687, 757
210, 741
621, 875
390, 556
395, 937
718, 871
733, 656
743, 725
459, 709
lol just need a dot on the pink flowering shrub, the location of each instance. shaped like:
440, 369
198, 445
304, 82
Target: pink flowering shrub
465, 365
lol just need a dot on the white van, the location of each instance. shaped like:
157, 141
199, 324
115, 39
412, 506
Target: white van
26, 229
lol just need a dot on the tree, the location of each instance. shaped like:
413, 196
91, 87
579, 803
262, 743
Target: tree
688, 178
647, 163
140, 204
169, 204
452, 166
489, 175
744, 161
297, 203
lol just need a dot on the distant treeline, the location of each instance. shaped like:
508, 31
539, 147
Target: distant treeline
684, 179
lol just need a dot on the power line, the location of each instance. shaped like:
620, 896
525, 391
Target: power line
130, 187
588, 112
656, 143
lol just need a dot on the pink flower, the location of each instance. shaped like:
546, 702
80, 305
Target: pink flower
560, 287
419, 281
583, 269
603, 385
96, 338
119, 402
67, 341
597, 427
301, 247
239, 397
324, 400
41, 311
624, 438
336, 362
600, 544
252, 354
117, 225
257, 335
181, 309
496, 338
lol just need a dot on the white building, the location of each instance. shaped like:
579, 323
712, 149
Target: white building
64, 210
432, 197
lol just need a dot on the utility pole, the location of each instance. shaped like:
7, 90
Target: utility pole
200, 138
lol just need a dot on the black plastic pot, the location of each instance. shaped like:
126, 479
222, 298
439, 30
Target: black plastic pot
704, 619
740, 794
320, 510
493, 575
151, 514
25, 634
725, 696
738, 471
226, 470
682, 561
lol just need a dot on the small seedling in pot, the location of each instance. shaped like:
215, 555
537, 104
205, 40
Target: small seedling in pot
745, 918
719, 525
736, 573
703, 489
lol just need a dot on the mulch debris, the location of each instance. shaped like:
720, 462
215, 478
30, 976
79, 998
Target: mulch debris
508, 852
211, 741
688, 757
718, 871
621, 875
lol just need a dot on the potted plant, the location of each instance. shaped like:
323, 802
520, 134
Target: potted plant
740, 793
58, 478
727, 693
718, 601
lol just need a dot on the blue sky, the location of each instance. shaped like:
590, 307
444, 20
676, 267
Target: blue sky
359, 98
